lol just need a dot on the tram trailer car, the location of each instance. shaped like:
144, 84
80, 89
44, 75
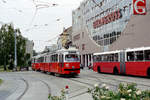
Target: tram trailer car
130, 62
64, 61
35, 63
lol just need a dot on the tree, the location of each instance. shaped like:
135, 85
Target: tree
7, 43
7, 39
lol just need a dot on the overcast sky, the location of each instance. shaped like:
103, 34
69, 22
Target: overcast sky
40, 26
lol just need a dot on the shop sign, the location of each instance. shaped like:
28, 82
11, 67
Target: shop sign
139, 7
107, 19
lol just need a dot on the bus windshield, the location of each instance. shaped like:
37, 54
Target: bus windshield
72, 58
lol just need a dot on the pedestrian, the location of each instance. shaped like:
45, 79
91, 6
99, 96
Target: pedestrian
81, 66
90, 66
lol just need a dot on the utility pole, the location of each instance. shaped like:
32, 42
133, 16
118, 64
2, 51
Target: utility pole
15, 61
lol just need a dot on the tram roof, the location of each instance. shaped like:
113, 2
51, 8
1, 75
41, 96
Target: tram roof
138, 49
65, 50
109, 52
39, 55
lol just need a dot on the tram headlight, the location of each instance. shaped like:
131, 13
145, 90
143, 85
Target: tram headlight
73, 67
67, 65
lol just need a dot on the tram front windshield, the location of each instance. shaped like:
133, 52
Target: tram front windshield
71, 58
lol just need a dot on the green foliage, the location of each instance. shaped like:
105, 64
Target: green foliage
62, 97
7, 39
1, 81
125, 92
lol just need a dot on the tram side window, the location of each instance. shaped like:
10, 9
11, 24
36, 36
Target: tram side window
147, 54
56, 58
47, 59
52, 57
130, 56
38, 60
32, 60
42, 59
60, 58
139, 56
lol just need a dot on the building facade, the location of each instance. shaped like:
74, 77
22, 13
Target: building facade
106, 25
65, 38
29, 47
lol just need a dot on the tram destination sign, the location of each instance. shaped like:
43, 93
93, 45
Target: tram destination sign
139, 7
72, 52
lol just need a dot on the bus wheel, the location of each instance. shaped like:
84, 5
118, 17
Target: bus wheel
99, 69
148, 72
115, 71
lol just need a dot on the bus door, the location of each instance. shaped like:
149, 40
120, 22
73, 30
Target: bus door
122, 63
61, 61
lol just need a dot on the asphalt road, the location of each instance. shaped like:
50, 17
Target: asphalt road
37, 86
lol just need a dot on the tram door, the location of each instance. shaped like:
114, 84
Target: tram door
122, 63
61, 61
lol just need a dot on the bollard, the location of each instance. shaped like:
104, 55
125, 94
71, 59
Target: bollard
67, 93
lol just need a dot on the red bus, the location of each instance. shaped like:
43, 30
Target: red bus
64, 61
130, 62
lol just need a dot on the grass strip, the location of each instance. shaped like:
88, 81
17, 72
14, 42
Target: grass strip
1, 81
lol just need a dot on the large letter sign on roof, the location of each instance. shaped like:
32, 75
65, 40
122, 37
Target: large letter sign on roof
139, 7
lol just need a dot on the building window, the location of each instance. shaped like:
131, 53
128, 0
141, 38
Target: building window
82, 34
83, 46
76, 37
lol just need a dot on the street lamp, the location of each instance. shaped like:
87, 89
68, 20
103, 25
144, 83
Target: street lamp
15, 61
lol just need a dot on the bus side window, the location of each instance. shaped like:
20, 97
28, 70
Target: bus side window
112, 57
98, 58
105, 58
108, 57
116, 57
130, 56
147, 54
139, 56
94, 58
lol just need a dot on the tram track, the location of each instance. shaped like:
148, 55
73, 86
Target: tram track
84, 92
99, 79
46, 84
104, 77
89, 84
26, 89
128, 81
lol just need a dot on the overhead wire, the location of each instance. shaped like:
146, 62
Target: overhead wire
39, 5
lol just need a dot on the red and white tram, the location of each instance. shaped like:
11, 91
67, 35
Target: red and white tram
64, 61
130, 62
